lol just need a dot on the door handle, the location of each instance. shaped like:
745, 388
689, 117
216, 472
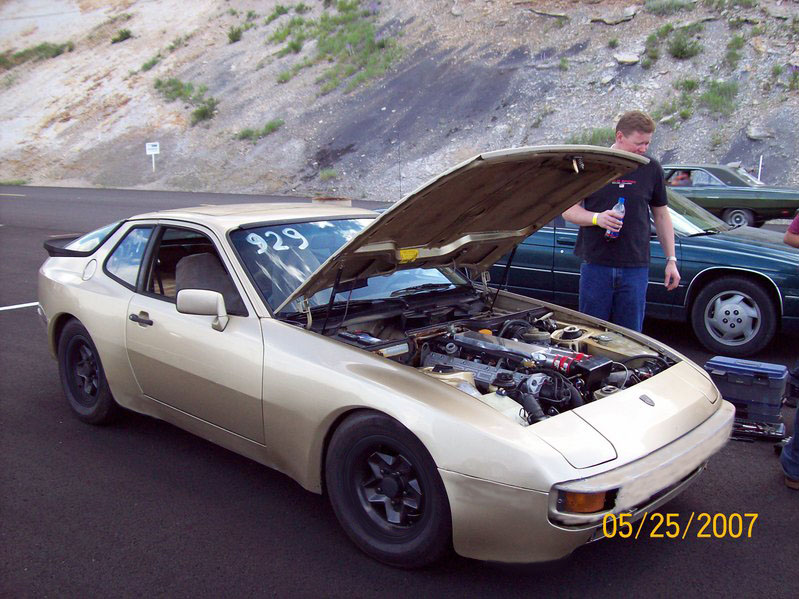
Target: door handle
568, 242
144, 321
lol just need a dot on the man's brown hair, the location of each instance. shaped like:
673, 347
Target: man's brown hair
633, 121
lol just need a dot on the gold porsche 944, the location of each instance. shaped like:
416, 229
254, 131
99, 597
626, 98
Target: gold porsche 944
366, 357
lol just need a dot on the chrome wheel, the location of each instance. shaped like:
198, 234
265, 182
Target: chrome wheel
732, 318
739, 217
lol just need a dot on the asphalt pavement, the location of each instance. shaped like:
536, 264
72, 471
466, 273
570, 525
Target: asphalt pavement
143, 508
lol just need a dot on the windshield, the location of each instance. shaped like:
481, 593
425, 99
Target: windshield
279, 258
690, 219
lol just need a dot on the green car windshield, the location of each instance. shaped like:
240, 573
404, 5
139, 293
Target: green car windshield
690, 219
280, 258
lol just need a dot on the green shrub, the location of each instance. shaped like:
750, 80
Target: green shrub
277, 12
727, 4
152, 62
256, 134
41, 51
664, 31
10, 182
646, 62
173, 89
328, 173
793, 81
731, 58
682, 47
301, 8
121, 36
345, 38
251, 15
737, 42
667, 7
284, 76
651, 47
563, 65
720, 97
204, 111
234, 34
777, 70
687, 85
600, 136
613, 43
178, 42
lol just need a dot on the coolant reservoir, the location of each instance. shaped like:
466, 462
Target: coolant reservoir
614, 346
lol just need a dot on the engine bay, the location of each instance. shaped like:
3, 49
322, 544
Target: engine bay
530, 364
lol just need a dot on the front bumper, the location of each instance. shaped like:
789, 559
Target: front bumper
497, 522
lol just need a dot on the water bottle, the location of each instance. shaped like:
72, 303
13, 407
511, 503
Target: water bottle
619, 207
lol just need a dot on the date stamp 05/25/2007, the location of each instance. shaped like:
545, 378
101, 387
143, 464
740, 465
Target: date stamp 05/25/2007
701, 525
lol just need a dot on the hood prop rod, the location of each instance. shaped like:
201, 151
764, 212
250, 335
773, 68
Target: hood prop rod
505, 276
333, 292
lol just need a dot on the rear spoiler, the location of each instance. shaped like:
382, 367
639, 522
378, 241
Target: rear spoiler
55, 246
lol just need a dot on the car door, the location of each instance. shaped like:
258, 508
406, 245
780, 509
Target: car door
179, 359
566, 265
531, 268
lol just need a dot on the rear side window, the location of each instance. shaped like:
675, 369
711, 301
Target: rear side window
124, 262
91, 240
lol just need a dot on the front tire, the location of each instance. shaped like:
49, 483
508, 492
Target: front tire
386, 492
82, 376
734, 316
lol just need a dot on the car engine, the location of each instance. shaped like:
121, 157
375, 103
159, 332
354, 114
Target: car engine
530, 365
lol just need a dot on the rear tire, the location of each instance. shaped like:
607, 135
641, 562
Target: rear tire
82, 376
386, 492
739, 217
734, 316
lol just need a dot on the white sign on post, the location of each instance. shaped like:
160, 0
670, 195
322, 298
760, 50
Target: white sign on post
152, 148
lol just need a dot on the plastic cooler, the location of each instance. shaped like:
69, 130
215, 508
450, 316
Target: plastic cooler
755, 388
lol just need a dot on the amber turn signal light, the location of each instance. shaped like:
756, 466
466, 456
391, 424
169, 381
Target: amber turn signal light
583, 503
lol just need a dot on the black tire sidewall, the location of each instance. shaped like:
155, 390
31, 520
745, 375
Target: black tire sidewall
768, 313
430, 538
104, 407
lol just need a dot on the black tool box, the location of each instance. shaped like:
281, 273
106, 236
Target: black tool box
756, 389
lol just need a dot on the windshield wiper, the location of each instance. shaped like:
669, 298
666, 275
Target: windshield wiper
712, 231
423, 287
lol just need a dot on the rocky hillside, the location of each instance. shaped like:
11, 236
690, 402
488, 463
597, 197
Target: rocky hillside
369, 99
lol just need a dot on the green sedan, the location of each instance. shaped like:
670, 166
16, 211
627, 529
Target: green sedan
739, 286
731, 193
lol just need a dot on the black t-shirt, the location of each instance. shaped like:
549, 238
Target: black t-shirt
642, 188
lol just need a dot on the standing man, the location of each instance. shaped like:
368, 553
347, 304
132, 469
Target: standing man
614, 273
789, 458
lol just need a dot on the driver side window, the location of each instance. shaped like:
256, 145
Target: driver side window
188, 259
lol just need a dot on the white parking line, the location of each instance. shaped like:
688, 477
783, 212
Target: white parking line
30, 305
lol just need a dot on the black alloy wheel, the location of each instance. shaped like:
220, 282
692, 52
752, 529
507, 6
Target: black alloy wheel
386, 491
82, 376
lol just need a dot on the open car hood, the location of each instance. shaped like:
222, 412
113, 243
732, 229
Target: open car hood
474, 213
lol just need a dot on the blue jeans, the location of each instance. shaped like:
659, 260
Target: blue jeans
617, 294
790, 453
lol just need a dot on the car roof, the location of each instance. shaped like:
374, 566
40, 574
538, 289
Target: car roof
226, 217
